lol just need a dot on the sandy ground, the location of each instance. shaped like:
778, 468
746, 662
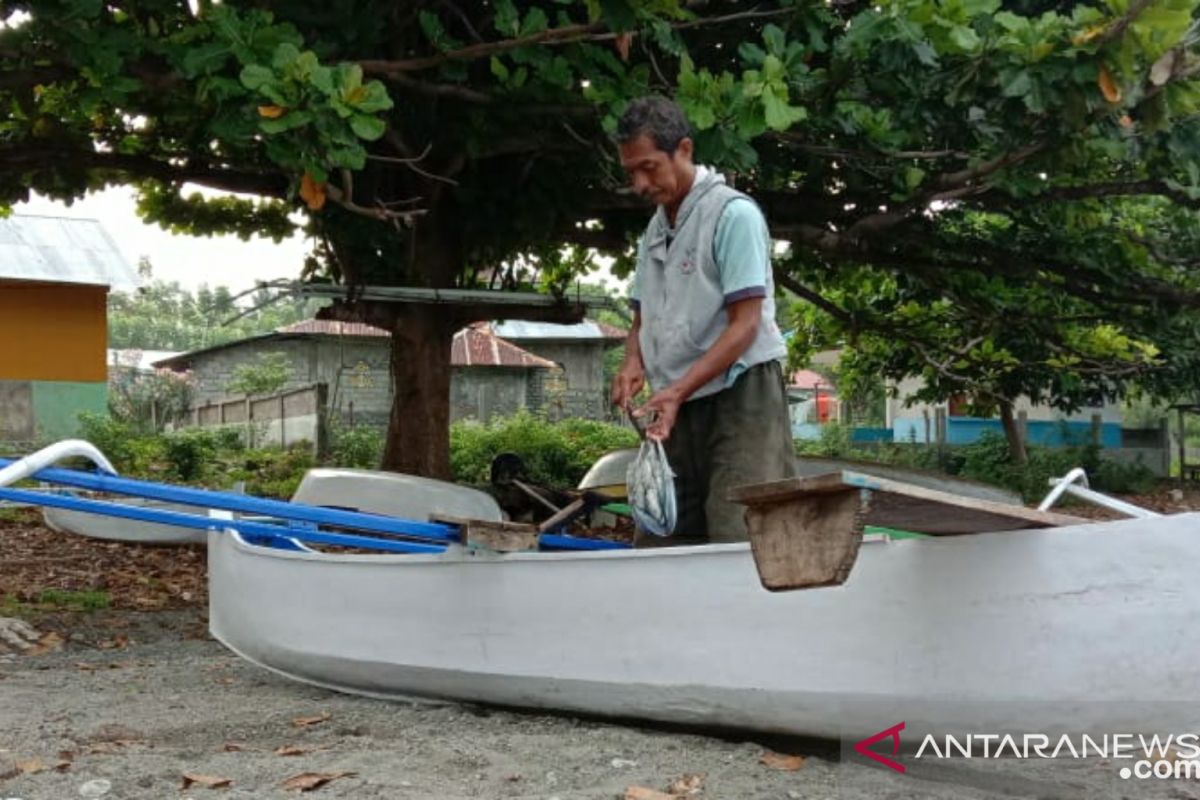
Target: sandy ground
129, 720
125, 702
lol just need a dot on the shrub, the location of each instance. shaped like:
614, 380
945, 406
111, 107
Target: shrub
555, 453
360, 446
131, 453
271, 473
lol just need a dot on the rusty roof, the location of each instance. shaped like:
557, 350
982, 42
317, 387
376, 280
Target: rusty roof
474, 346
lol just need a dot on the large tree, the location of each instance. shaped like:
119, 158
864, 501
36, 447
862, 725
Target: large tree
429, 140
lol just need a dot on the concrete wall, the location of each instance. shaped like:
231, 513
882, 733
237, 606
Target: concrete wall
357, 373
579, 390
485, 392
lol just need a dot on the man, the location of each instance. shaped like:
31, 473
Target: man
704, 331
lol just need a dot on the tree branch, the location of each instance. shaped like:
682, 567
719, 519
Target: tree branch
568, 34
797, 288
25, 159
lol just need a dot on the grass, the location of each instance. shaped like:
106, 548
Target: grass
55, 600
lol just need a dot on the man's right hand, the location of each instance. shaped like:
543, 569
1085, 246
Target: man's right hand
627, 383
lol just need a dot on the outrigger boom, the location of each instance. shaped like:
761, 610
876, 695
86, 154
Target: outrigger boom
301, 523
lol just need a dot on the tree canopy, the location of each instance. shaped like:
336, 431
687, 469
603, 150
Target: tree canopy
1028, 162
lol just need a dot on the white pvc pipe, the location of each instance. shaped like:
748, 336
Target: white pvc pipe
47, 456
1060, 485
1084, 492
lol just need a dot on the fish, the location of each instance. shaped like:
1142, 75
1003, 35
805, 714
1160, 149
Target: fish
650, 485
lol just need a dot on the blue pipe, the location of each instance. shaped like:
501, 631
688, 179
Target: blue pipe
228, 501
248, 527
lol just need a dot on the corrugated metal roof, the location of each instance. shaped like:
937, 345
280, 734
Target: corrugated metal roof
61, 250
138, 359
329, 327
588, 329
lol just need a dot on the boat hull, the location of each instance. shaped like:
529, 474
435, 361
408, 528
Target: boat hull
116, 529
1086, 628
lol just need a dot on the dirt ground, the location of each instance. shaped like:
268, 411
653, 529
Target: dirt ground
134, 700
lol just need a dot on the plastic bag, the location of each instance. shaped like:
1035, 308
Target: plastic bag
651, 486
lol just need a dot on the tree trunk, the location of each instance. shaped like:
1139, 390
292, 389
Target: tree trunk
418, 435
1016, 442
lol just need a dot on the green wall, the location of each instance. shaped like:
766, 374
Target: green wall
56, 406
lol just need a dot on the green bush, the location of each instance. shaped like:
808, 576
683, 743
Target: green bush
132, 454
555, 453
270, 473
360, 446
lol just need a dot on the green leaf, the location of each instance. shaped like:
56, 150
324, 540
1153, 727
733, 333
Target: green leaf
289, 121
367, 127
913, 177
1011, 22
774, 37
779, 115
507, 20
354, 157
205, 59
1015, 82
619, 14
752, 54
253, 76
965, 38
499, 70
284, 55
535, 22
322, 79
376, 99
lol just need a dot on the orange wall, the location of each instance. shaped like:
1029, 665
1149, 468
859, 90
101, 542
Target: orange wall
52, 332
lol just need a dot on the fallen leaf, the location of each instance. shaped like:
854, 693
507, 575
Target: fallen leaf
86, 667
31, 766
1108, 87
49, 642
234, 747
62, 766
312, 193
622, 43
270, 112
211, 781
304, 722
643, 793
309, 781
686, 785
781, 761
227, 680
291, 750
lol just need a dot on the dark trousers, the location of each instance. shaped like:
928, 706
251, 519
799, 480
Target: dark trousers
739, 435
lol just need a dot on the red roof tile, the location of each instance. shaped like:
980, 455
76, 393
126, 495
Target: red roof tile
473, 346
478, 347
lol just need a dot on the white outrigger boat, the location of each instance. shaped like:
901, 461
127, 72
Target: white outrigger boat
1005, 619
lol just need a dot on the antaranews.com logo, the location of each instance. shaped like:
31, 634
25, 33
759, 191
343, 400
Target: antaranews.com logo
1137, 757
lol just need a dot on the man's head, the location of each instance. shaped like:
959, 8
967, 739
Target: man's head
656, 150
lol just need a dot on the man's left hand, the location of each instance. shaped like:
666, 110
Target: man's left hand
665, 406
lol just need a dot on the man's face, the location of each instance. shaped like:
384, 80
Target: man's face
657, 177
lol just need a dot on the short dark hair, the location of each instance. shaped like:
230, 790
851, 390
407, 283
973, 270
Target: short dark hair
657, 117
